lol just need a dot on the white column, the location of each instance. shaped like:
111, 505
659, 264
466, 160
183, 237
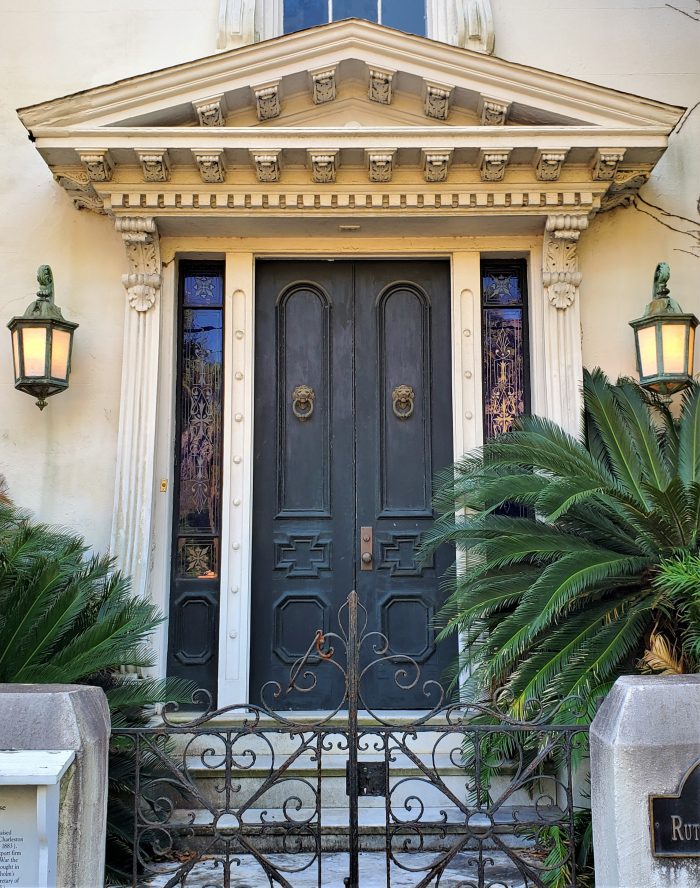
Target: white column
562, 367
237, 518
134, 484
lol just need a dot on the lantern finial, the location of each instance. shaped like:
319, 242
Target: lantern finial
44, 278
661, 276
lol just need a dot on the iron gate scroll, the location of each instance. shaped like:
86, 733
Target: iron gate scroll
457, 795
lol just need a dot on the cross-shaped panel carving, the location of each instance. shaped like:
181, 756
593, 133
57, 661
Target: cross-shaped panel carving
302, 555
398, 552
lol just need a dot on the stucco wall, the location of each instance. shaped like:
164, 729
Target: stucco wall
61, 463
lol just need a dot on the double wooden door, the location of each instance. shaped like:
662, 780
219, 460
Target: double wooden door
353, 416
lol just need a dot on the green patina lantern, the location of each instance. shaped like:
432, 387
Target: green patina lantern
665, 340
42, 342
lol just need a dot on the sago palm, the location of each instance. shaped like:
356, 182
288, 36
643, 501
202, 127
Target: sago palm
68, 617
560, 542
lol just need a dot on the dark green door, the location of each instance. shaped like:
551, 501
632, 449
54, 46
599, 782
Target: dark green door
353, 415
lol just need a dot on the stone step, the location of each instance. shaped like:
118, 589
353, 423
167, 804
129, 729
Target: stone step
440, 828
499, 871
301, 778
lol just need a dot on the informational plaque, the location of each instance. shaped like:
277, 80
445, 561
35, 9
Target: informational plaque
29, 800
19, 840
675, 819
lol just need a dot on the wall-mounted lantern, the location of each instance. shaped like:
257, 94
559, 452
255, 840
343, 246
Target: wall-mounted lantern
665, 340
42, 341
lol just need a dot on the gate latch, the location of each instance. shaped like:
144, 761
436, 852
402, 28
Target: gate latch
371, 779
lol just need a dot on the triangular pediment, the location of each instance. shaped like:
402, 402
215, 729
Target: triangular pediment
349, 95
352, 47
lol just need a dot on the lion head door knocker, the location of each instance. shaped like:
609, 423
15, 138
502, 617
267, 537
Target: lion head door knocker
402, 399
303, 398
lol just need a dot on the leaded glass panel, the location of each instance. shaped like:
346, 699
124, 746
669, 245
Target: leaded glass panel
200, 417
505, 367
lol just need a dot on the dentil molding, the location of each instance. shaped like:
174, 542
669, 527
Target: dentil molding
560, 275
143, 282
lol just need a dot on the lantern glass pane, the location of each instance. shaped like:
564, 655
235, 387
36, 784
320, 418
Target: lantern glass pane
34, 349
59, 354
691, 350
648, 359
15, 351
673, 339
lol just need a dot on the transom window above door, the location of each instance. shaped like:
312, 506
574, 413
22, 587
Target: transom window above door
405, 15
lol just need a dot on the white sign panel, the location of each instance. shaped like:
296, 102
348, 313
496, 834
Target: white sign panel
19, 839
29, 799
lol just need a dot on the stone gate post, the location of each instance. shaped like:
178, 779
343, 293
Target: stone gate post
645, 789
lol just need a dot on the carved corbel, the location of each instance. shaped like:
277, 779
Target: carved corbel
211, 165
323, 82
624, 188
323, 164
493, 112
492, 164
435, 164
605, 164
76, 183
380, 164
267, 100
548, 165
437, 100
475, 29
560, 276
236, 23
155, 164
380, 83
98, 164
267, 165
210, 112
142, 245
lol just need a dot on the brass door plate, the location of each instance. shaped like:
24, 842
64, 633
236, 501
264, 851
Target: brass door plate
366, 548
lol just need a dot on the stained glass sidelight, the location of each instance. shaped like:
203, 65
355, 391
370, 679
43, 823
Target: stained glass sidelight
505, 368
194, 597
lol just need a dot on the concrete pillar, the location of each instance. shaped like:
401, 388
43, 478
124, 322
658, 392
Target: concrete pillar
69, 718
644, 739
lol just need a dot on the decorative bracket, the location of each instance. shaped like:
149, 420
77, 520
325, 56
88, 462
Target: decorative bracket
155, 164
380, 164
267, 100
323, 85
380, 84
210, 112
561, 277
548, 165
323, 164
141, 241
475, 29
435, 164
493, 112
98, 164
211, 164
605, 164
437, 100
624, 188
267, 165
76, 183
492, 165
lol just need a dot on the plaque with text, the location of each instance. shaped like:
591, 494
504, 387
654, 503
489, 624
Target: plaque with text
19, 839
675, 819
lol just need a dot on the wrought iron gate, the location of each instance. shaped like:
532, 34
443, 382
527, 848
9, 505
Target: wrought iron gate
457, 795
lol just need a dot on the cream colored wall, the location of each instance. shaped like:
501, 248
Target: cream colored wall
647, 48
61, 463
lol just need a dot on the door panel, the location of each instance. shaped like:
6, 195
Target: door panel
302, 505
371, 340
404, 308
